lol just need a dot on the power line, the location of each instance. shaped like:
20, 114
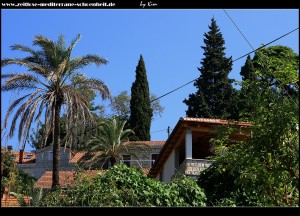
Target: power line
267, 44
232, 61
159, 131
173, 90
279, 82
239, 30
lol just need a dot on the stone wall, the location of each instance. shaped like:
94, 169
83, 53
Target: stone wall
193, 167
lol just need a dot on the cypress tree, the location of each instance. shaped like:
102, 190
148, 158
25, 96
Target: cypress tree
247, 92
140, 106
247, 71
215, 96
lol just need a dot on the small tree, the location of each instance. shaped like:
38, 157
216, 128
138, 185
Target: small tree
120, 106
111, 143
140, 106
245, 101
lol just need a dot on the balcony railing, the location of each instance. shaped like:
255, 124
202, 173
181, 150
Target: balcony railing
138, 163
193, 167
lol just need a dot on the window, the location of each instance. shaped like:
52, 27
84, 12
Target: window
153, 158
126, 159
50, 155
28, 157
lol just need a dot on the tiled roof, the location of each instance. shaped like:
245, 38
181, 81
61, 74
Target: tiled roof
77, 156
11, 201
66, 178
216, 121
28, 157
150, 143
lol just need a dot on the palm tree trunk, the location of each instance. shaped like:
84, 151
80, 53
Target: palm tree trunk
21, 156
112, 161
56, 145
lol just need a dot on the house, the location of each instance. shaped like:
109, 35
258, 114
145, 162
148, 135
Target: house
145, 160
42, 161
187, 148
36, 164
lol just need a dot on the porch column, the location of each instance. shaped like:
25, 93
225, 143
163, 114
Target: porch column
188, 144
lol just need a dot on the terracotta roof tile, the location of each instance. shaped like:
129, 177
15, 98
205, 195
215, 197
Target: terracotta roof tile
28, 157
11, 201
77, 156
216, 121
66, 178
150, 143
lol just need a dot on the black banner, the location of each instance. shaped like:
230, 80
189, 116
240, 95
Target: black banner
153, 4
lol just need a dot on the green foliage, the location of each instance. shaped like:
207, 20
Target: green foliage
110, 143
120, 106
188, 190
20, 198
140, 106
8, 169
215, 97
35, 197
24, 182
16, 180
273, 72
277, 69
264, 170
219, 183
123, 186
247, 91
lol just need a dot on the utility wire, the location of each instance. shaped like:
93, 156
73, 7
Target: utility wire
279, 82
239, 29
232, 61
159, 131
173, 90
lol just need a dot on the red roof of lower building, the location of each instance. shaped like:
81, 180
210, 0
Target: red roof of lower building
66, 178
11, 201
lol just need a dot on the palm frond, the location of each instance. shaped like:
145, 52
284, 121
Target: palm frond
8, 75
80, 62
20, 198
27, 118
20, 111
23, 48
12, 107
61, 42
73, 43
21, 82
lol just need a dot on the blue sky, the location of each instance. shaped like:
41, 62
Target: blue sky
169, 41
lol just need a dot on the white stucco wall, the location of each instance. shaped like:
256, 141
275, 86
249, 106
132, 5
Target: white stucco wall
169, 168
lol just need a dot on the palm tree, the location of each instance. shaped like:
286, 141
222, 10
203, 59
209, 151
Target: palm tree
112, 142
50, 88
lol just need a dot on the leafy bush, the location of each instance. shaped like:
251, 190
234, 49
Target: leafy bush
189, 191
123, 186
